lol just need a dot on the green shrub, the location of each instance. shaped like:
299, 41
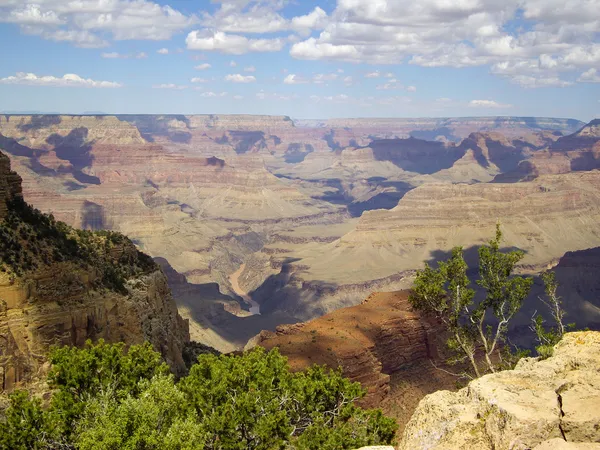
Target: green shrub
107, 398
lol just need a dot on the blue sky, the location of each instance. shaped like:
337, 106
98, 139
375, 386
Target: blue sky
305, 59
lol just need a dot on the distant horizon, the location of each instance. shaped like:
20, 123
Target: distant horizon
100, 113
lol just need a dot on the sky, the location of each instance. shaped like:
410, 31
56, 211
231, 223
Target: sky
302, 58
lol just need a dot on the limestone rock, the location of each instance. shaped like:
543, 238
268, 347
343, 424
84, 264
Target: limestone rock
539, 401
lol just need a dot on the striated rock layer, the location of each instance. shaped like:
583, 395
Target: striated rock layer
537, 405
55, 291
380, 343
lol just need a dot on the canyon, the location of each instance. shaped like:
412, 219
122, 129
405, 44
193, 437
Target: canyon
296, 219
59, 286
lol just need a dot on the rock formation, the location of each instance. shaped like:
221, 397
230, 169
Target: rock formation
210, 192
10, 185
549, 404
60, 286
380, 343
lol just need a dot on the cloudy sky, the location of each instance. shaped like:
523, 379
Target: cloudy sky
303, 58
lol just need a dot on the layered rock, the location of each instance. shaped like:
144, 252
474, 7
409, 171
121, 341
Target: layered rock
60, 286
380, 343
537, 405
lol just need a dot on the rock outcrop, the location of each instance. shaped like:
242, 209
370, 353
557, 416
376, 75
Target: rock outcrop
60, 286
381, 343
549, 404
10, 185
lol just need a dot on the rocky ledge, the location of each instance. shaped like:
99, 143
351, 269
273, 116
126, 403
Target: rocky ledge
550, 404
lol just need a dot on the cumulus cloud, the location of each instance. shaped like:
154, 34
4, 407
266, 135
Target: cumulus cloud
487, 104
67, 80
239, 78
316, 19
375, 74
203, 66
87, 23
590, 76
292, 78
561, 36
208, 40
198, 80
163, 51
250, 69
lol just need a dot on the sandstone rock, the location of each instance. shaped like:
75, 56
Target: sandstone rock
61, 303
518, 409
561, 444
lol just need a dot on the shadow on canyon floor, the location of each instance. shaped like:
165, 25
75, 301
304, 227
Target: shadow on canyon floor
205, 306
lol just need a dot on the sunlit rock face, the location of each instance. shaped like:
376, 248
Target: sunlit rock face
321, 212
540, 404
64, 303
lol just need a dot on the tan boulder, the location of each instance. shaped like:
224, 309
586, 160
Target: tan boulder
518, 409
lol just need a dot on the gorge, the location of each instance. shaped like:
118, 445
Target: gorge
296, 219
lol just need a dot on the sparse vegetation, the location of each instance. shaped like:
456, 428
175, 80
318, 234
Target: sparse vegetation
446, 293
30, 240
548, 337
107, 398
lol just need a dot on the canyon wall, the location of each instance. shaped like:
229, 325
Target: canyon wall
60, 286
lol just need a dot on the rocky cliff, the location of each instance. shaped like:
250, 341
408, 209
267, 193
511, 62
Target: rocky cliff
380, 343
10, 185
551, 404
60, 286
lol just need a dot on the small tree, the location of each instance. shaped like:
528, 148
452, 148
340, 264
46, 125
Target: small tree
548, 338
445, 292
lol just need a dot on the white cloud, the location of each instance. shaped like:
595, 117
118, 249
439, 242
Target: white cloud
250, 69
67, 80
198, 80
32, 14
375, 74
316, 19
239, 78
88, 23
116, 55
487, 104
589, 76
527, 81
177, 87
232, 63
163, 51
292, 78
348, 81
238, 97
411, 88
204, 66
230, 43
560, 36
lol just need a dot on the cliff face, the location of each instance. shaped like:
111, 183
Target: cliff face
380, 343
541, 404
10, 185
62, 286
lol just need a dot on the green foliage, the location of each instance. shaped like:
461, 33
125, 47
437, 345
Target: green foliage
30, 239
106, 398
445, 292
24, 425
548, 337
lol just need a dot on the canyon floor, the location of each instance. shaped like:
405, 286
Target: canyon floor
296, 219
